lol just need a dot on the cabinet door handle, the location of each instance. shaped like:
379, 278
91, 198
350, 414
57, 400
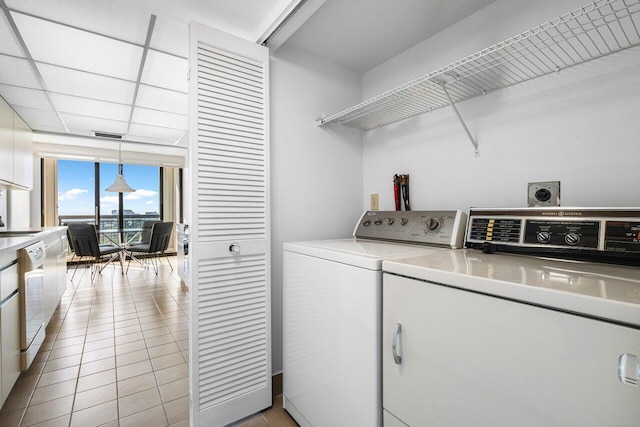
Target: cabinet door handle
397, 330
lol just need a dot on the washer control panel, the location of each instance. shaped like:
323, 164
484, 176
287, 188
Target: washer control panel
441, 228
596, 234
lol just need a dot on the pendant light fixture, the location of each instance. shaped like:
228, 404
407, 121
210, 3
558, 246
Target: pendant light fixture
120, 185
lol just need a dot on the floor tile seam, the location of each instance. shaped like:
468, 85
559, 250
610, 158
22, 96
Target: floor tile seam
84, 344
116, 372
33, 390
97, 404
73, 404
164, 317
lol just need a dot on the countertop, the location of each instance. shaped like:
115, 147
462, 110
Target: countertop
603, 291
8, 244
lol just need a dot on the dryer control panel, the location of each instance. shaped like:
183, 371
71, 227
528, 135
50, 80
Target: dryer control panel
440, 228
593, 234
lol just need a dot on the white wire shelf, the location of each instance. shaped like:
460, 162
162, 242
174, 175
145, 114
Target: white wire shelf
593, 31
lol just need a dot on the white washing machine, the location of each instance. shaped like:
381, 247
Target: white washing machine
333, 308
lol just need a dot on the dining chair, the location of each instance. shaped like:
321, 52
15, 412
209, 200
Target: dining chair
158, 244
84, 240
145, 234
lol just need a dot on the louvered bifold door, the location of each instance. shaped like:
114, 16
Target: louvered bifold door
230, 354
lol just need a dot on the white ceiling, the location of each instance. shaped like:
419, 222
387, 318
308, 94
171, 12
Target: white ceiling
361, 34
77, 66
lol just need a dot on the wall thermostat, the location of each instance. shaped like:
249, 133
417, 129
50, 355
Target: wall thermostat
544, 194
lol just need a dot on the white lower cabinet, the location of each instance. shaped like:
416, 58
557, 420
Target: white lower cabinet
464, 358
9, 329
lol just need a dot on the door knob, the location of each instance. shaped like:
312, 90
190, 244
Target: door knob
234, 249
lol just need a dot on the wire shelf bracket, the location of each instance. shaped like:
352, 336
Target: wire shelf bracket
595, 30
464, 125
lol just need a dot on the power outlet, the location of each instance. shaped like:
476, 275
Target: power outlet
543, 193
374, 202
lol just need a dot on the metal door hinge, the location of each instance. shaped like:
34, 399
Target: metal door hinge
629, 369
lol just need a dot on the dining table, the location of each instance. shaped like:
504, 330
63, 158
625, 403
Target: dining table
122, 238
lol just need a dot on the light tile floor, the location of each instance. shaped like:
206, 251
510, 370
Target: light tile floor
116, 354
275, 416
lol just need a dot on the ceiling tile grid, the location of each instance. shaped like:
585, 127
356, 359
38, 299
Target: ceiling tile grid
8, 43
17, 72
162, 99
89, 57
79, 83
110, 18
159, 118
165, 71
78, 49
91, 107
84, 125
171, 37
39, 117
24, 97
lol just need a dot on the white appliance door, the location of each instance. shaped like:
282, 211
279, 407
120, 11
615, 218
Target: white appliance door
472, 359
230, 356
332, 319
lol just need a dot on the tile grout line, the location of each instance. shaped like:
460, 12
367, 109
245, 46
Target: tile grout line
33, 391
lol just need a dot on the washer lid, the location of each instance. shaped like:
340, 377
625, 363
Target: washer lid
357, 252
609, 292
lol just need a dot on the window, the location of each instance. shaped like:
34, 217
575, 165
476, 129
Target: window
77, 190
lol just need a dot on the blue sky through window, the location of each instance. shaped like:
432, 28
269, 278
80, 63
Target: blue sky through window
76, 185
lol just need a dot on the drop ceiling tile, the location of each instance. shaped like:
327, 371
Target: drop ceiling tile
168, 136
23, 97
36, 117
170, 36
78, 83
91, 107
80, 50
83, 123
17, 72
165, 71
146, 116
162, 99
8, 42
112, 18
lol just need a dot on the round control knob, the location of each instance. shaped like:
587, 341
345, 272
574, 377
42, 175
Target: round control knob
403, 221
366, 223
390, 221
234, 249
432, 225
543, 236
572, 239
377, 222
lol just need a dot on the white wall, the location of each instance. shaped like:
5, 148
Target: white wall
580, 126
316, 173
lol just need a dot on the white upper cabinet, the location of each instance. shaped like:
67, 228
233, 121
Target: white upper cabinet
6, 142
16, 149
22, 153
